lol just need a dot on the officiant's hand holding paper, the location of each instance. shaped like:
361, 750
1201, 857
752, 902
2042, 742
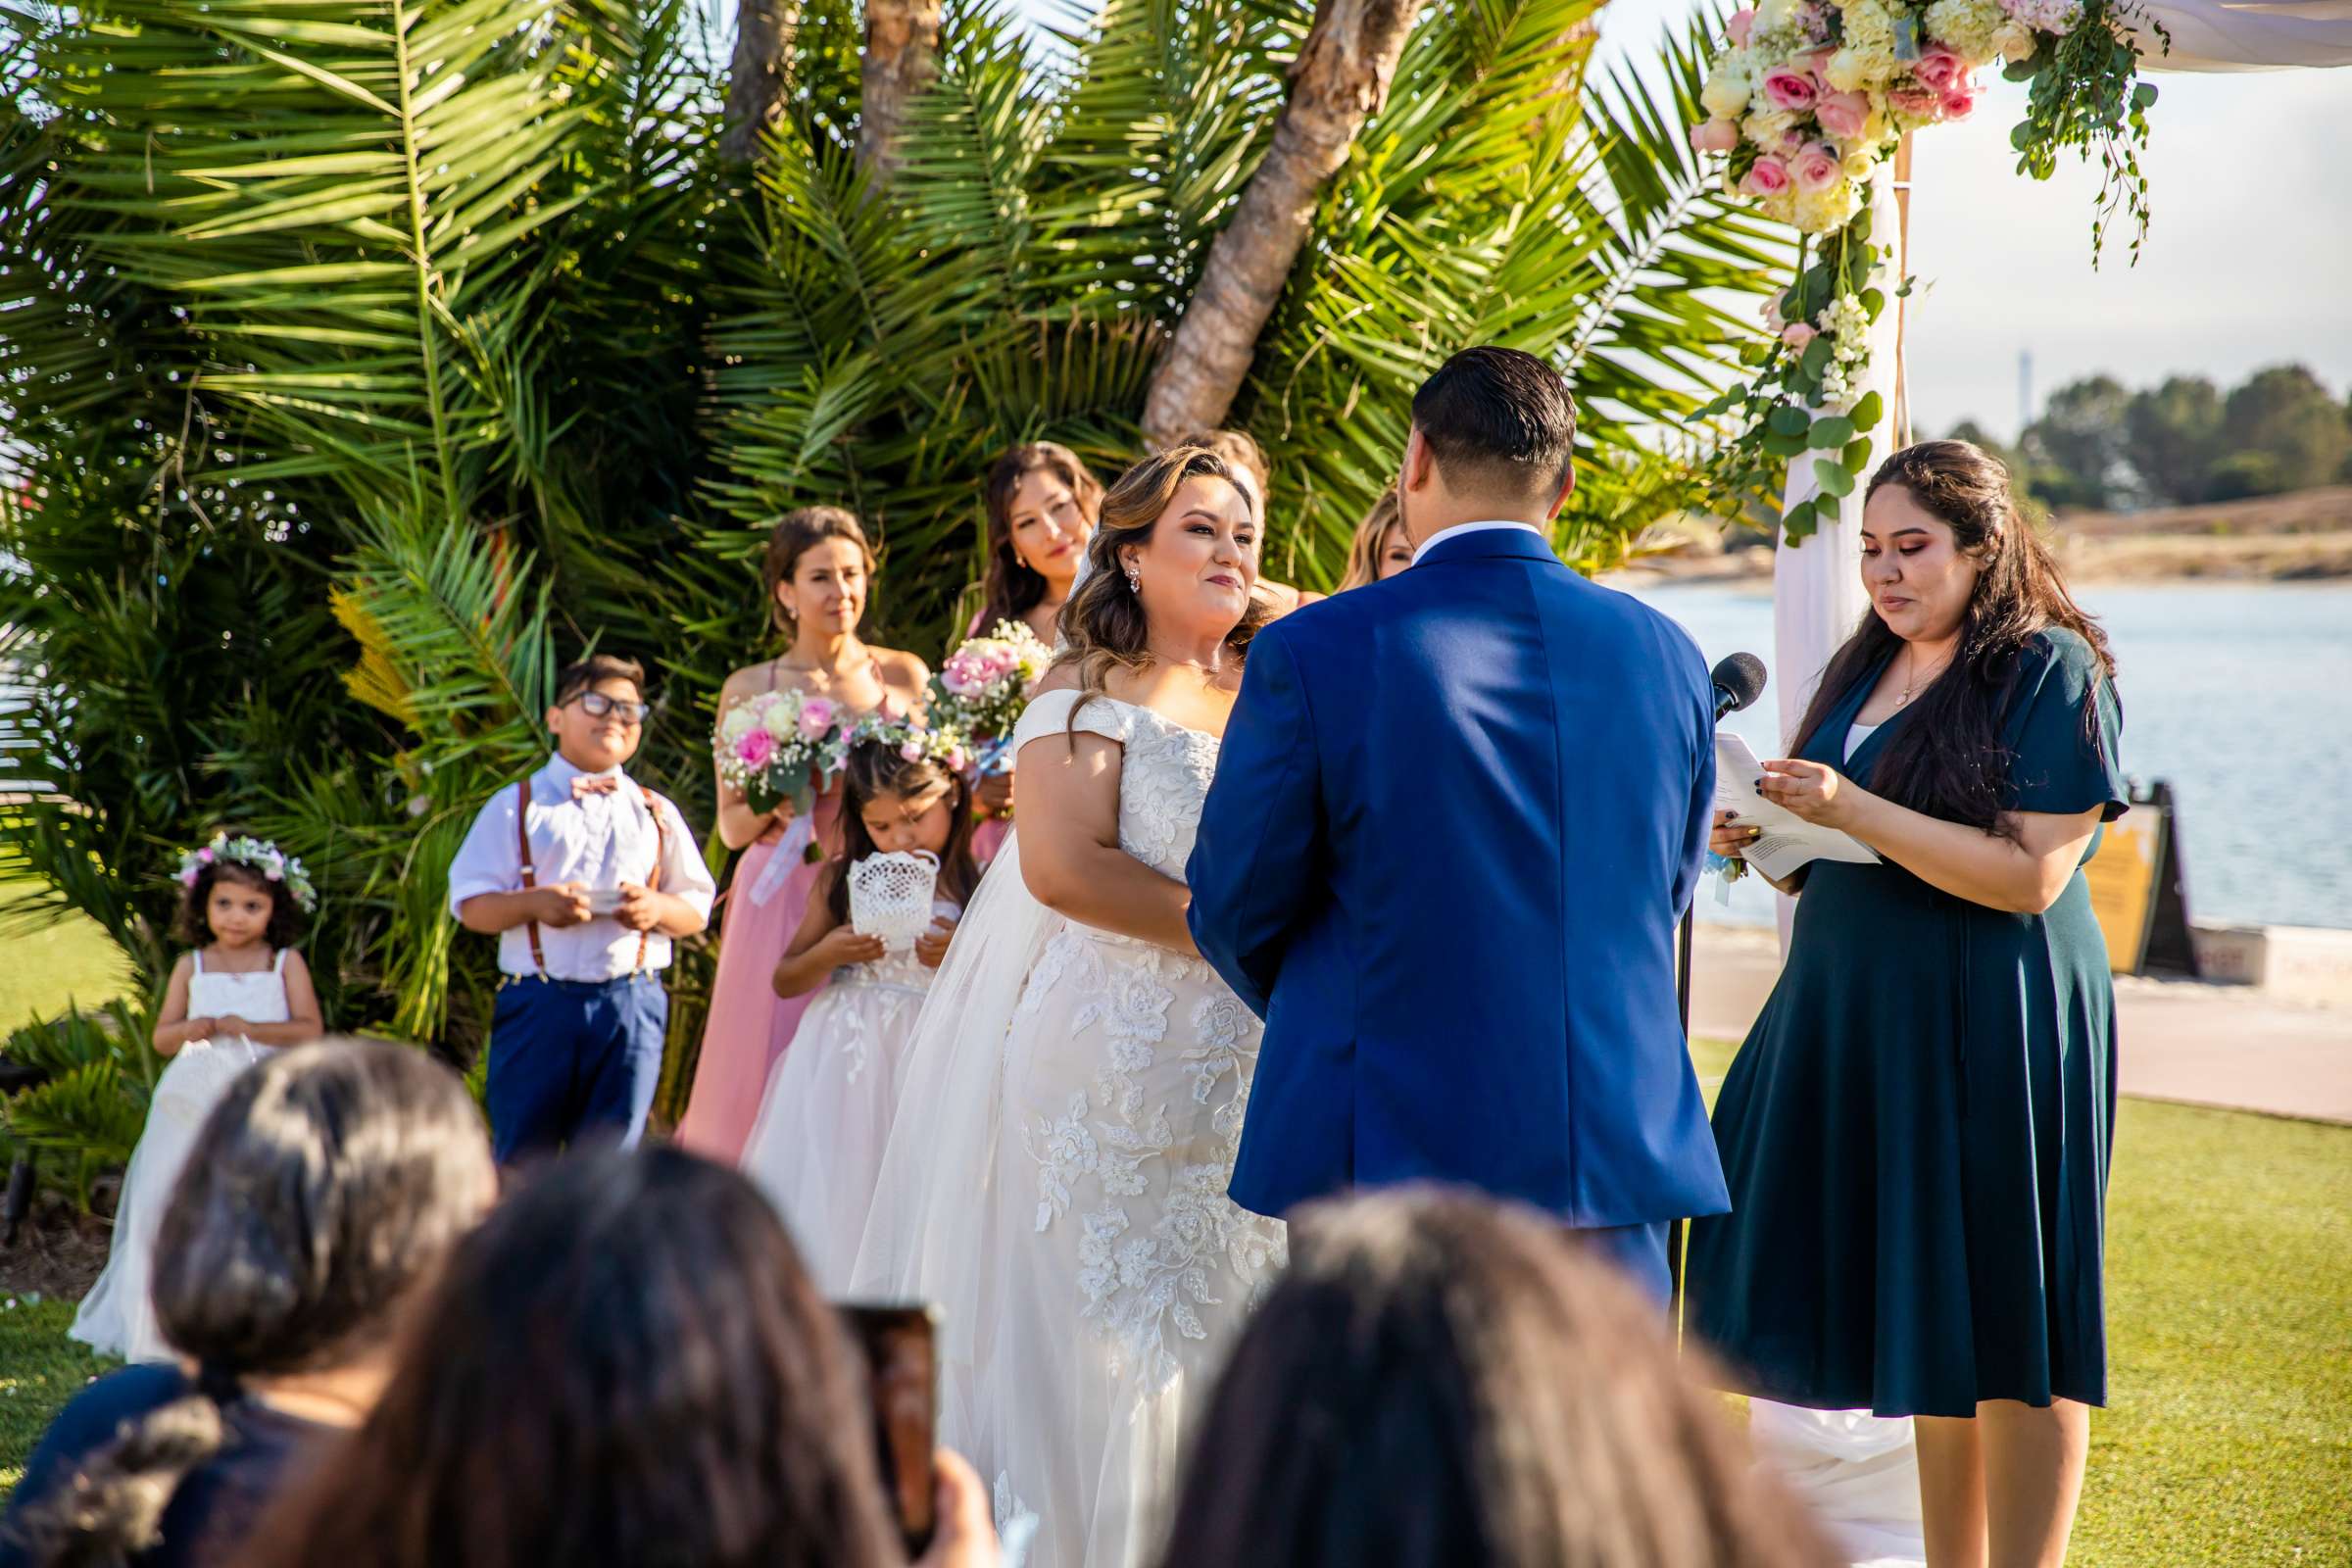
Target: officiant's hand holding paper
1750, 793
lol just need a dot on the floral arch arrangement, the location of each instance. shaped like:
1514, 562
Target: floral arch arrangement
1806, 100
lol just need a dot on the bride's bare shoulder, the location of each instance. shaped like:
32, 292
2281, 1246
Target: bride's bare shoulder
1061, 678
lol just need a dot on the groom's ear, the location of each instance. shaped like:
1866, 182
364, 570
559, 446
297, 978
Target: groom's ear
1417, 461
1567, 489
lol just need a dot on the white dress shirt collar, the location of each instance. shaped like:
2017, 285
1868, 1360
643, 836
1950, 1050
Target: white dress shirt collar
1460, 528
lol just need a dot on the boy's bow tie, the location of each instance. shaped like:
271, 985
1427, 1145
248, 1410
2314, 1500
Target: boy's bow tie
594, 784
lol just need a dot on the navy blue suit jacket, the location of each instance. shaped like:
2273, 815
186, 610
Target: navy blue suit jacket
1456, 818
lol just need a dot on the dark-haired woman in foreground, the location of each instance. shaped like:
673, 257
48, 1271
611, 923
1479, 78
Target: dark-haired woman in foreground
1916, 1133
328, 1184
625, 1365
1444, 1382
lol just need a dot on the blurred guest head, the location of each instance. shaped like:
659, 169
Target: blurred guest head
325, 1188
1380, 550
1493, 439
626, 1364
1443, 1382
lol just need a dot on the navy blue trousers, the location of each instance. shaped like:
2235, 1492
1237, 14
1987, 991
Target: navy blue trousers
572, 1060
1640, 1251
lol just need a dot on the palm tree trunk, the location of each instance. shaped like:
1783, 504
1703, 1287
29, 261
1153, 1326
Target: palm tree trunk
759, 78
1339, 81
901, 37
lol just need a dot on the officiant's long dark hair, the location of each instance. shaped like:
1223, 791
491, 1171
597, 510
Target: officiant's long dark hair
1440, 1381
1948, 760
1104, 623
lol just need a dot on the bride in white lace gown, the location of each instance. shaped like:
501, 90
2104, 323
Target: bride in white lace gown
1057, 1175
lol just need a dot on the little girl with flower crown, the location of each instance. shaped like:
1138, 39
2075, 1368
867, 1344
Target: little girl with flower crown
233, 999
816, 1146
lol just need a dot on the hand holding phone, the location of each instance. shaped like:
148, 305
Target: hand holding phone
603, 901
901, 1379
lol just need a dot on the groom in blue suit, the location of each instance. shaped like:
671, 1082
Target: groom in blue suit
1456, 818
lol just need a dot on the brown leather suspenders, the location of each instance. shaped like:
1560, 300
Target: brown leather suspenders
522, 840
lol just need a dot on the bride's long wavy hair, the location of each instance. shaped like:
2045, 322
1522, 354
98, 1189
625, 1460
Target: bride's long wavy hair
1104, 623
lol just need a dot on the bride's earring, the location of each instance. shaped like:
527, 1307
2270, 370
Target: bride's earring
1134, 584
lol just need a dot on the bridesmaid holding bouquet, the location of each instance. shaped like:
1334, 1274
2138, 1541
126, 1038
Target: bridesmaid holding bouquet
1043, 503
818, 577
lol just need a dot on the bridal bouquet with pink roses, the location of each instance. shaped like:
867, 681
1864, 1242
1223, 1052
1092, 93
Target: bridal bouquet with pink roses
1805, 100
779, 746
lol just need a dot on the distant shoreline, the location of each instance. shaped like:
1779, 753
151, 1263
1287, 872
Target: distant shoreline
2302, 537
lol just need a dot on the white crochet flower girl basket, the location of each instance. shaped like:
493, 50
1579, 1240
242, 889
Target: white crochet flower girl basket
890, 895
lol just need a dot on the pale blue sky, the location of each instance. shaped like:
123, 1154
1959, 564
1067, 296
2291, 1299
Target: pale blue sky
2246, 263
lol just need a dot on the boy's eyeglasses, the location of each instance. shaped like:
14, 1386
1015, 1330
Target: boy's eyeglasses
596, 704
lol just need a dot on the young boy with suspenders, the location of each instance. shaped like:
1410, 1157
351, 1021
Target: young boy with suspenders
584, 877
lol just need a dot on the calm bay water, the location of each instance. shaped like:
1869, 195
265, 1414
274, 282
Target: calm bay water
2240, 695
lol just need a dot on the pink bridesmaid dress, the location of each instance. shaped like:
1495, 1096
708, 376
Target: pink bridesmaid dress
749, 1025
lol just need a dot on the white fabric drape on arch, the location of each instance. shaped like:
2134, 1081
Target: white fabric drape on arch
2264, 35
1857, 1471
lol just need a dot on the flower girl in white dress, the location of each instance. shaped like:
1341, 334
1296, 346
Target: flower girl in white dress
877, 926
242, 994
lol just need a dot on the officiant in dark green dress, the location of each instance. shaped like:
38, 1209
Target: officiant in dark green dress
1916, 1132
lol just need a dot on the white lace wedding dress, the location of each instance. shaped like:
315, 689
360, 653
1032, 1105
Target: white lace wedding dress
1079, 1126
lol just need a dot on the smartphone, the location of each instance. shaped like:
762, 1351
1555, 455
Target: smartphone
901, 1365
603, 901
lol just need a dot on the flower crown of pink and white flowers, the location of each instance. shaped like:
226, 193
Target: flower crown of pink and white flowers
914, 740
257, 854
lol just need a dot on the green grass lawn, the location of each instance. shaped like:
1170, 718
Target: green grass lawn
2227, 1436
2227, 1433
68, 960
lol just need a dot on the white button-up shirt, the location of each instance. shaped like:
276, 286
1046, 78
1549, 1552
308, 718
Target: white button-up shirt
1460, 528
600, 841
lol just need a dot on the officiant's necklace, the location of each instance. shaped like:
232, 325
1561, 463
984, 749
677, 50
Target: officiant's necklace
1911, 662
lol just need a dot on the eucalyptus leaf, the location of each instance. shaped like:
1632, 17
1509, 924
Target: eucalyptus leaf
1833, 477
1788, 419
1835, 431
1867, 413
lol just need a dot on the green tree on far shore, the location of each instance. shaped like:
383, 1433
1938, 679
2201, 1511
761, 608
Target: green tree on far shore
2099, 446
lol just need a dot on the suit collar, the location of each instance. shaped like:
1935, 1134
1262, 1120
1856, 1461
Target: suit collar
1489, 540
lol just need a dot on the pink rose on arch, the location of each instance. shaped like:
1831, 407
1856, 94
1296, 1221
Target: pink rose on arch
1714, 136
1793, 90
1843, 115
756, 749
1742, 23
1796, 334
1916, 103
1818, 63
1961, 101
1816, 167
817, 717
1767, 176
1939, 69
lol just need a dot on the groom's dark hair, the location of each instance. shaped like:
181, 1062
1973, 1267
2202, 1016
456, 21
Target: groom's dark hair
1500, 418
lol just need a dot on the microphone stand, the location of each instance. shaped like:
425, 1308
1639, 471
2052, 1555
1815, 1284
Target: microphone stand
1676, 1230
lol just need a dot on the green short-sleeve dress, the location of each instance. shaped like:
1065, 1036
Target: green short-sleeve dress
1916, 1132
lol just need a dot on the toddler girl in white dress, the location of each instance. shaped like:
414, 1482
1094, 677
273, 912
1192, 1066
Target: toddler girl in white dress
871, 936
242, 994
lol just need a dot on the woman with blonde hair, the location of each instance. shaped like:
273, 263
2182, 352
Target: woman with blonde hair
1380, 550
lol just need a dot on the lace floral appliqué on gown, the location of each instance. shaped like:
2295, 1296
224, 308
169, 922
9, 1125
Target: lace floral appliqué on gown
1125, 1271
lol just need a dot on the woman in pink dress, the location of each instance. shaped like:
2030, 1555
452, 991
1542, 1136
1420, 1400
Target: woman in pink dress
819, 571
1042, 506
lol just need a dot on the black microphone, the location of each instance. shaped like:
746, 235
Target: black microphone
1739, 681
